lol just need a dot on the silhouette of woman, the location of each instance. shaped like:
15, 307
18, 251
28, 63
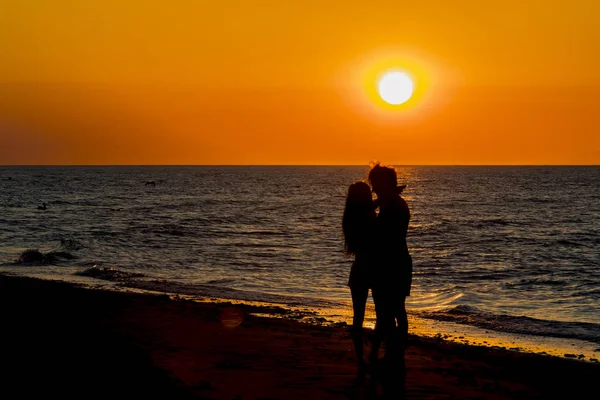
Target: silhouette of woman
392, 265
357, 225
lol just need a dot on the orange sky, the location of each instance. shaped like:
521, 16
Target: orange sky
282, 82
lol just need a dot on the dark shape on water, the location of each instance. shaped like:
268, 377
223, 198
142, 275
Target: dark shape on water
35, 256
150, 183
42, 207
32, 255
109, 274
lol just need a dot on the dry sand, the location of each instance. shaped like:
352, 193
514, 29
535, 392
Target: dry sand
62, 341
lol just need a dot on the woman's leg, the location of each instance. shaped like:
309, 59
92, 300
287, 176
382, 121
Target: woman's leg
359, 303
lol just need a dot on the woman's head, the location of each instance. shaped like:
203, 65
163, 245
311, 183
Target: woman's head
384, 180
359, 194
358, 210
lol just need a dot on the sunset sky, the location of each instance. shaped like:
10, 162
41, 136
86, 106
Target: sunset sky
293, 82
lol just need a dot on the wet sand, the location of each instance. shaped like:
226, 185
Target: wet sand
61, 340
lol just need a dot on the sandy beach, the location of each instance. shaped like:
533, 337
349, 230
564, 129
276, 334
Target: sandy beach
67, 341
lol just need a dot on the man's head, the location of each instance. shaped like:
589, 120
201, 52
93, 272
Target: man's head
384, 180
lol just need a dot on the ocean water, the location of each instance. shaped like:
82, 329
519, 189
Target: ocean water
509, 250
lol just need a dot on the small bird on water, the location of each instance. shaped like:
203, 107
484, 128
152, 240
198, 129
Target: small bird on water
42, 207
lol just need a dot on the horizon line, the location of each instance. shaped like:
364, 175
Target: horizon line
297, 165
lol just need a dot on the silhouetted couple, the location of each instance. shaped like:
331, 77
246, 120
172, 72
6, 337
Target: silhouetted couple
375, 233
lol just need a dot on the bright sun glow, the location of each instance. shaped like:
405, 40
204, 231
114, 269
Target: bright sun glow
395, 87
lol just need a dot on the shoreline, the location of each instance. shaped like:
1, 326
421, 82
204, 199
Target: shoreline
309, 312
69, 340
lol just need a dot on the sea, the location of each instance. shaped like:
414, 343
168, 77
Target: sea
504, 256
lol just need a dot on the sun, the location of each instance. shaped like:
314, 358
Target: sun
395, 87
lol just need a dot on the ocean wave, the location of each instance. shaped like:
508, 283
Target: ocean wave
538, 200
67, 244
224, 293
226, 281
469, 315
489, 222
433, 300
587, 294
109, 274
536, 282
570, 243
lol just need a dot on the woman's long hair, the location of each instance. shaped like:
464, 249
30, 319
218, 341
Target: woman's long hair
357, 214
